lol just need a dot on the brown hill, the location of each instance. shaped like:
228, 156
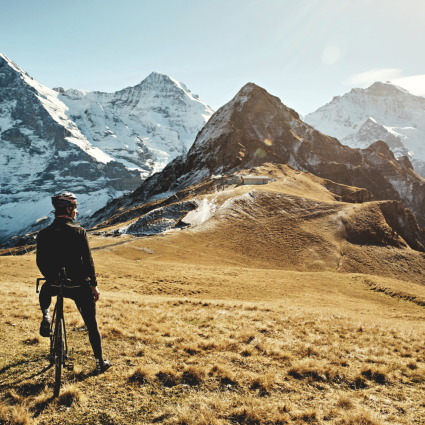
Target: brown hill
297, 222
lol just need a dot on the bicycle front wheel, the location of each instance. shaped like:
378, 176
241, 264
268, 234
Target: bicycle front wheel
58, 353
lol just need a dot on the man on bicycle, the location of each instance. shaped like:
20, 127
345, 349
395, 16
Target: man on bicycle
65, 244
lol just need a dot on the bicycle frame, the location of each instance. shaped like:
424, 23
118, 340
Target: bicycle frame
58, 311
58, 342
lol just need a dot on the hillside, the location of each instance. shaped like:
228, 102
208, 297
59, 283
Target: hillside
296, 222
245, 317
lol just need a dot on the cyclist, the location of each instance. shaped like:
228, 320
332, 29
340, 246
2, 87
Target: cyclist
65, 244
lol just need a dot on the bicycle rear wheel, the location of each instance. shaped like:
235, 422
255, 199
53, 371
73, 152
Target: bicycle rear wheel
58, 352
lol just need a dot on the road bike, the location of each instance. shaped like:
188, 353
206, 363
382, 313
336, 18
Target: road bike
58, 354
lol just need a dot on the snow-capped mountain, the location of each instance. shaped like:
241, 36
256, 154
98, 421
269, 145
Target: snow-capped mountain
383, 111
43, 151
98, 145
255, 128
160, 113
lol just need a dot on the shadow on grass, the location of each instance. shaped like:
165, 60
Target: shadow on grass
13, 383
41, 406
19, 363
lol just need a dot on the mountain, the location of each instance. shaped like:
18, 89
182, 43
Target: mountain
382, 111
160, 113
42, 151
255, 128
98, 145
327, 207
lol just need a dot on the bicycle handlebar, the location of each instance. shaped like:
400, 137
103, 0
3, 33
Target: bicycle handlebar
62, 278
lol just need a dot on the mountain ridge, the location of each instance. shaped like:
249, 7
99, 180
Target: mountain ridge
381, 111
255, 127
51, 140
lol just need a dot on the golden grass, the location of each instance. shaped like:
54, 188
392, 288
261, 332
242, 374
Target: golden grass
361, 417
189, 360
70, 394
14, 415
354, 356
345, 403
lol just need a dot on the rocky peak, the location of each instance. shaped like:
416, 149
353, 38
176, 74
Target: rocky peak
382, 148
157, 78
166, 87
385, 89
255, 111
256, 127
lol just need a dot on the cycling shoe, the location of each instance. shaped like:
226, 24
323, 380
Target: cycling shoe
101, 368
45, 327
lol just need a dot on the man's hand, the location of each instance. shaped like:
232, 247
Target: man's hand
95, 292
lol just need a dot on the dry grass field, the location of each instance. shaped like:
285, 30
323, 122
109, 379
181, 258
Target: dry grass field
216, 343
285, 306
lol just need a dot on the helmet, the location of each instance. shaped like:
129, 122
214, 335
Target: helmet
64, 199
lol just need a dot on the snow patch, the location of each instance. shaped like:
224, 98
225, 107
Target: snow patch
203, 212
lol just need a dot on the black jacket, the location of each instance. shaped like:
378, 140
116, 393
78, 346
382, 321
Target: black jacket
65, 244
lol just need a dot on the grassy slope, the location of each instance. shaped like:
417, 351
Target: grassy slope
243, 320
219, 344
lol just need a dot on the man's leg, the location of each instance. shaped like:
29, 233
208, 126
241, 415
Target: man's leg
87, 309
45, 299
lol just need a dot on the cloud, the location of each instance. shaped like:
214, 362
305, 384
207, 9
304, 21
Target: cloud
415, 84
370, 77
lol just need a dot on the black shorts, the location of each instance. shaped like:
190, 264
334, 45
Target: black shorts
82, 295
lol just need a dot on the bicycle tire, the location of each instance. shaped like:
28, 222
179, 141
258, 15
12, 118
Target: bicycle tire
52, 339
58, 351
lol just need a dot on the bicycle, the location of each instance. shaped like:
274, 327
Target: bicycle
58, 344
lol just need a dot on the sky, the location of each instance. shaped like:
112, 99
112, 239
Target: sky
305, 52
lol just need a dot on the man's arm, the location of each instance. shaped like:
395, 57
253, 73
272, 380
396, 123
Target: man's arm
87, 258
89, 265
43, 258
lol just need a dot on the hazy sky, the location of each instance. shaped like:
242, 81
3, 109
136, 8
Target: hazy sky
303, 51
